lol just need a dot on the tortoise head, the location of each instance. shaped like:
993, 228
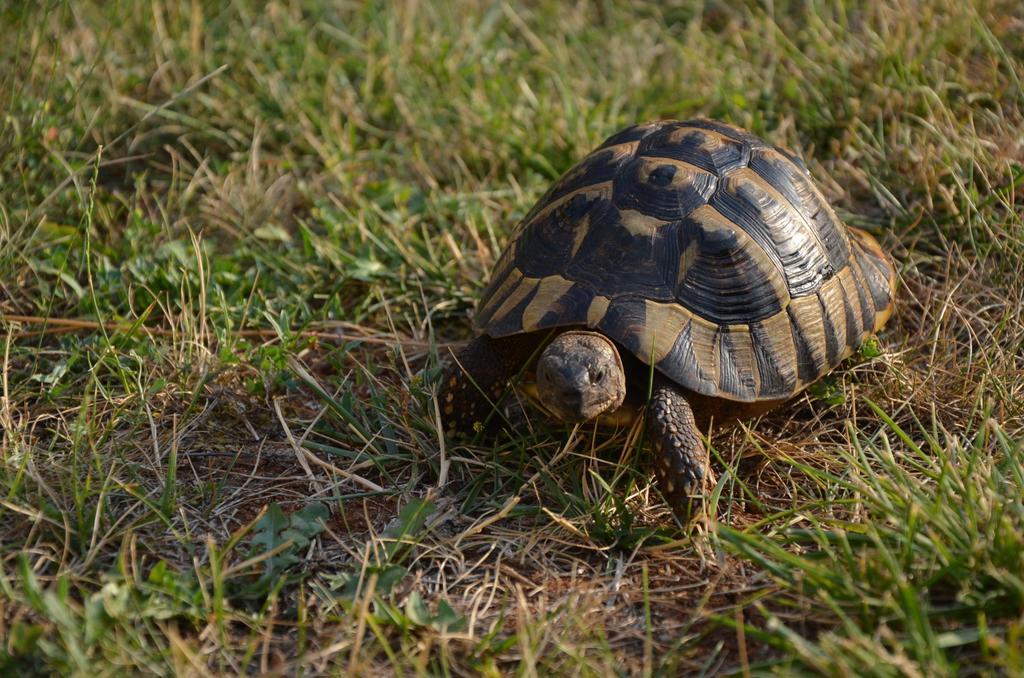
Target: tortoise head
580, 376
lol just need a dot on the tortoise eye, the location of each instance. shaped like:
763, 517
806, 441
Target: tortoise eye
597, 376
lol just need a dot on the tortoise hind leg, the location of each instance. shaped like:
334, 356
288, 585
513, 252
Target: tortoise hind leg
474, 381
680, 458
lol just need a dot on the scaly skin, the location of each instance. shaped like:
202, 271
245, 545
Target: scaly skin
476, 379
680, 458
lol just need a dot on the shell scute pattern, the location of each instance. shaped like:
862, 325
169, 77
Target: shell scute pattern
707, 149
703, 250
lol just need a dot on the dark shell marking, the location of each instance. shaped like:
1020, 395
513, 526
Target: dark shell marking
703, 250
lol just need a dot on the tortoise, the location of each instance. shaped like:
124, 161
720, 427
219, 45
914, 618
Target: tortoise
680, 268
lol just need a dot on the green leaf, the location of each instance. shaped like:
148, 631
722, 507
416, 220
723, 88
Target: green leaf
416, 610
275, 529
388, 577
408, 523
347, 584
447, 619
827, 391
870, 349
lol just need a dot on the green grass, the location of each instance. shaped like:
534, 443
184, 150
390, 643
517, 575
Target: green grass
237, 238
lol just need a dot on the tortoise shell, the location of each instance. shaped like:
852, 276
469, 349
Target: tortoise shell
703, 250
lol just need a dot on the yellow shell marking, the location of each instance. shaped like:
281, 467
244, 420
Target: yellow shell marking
596, 310
711, 140
832, 296
581, 233
526, 286
549, 290
659, 332
778, 343
740, 346
704, 339
638, 223
849, 284
809, 321
505, 263
873, 250
511, 280
626, 148
862, 284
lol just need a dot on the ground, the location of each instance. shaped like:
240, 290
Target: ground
237, 240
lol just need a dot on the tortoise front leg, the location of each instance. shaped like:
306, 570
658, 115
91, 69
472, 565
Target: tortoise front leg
680, 458
475, 380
